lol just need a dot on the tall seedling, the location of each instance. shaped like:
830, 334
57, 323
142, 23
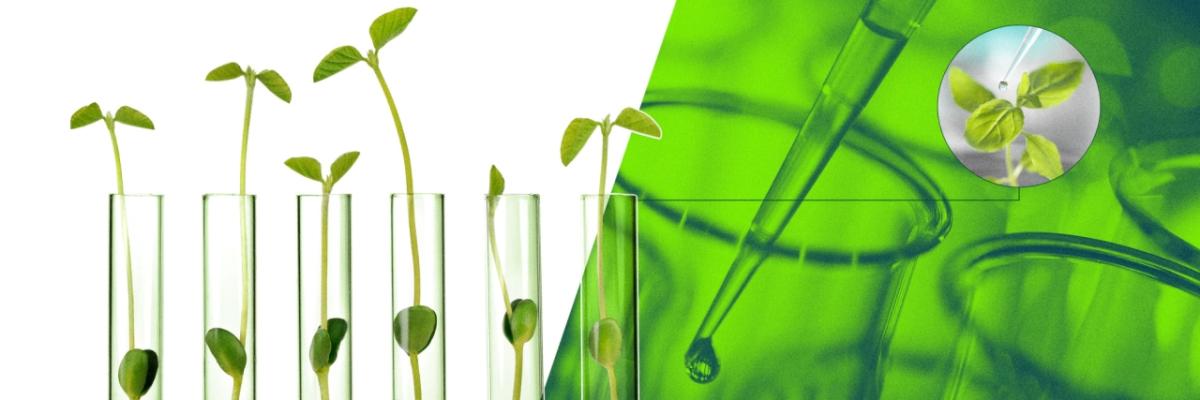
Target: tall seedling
414, 326
228, 350
138, 367
520, 315
604, 338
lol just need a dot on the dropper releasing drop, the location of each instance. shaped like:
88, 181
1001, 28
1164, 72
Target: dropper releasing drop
1031, 36
1003, 85
701, 361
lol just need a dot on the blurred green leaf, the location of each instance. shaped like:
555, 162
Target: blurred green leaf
1041, 156
994, 125
1049, 85
1105, 51
968, 93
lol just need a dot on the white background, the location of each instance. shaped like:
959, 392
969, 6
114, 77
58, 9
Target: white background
476, 83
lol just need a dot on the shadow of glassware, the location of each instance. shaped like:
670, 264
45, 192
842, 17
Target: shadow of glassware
1048, 315
1157, 185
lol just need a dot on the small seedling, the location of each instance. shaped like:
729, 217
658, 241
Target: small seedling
417, 321
138, 367
520, 315
228, 350
604, 339
323, 350
995, 123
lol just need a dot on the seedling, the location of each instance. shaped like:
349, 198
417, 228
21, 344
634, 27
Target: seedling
604, 339
323, 350
228, 350
520, 315
413, 327
138, 367
996, 123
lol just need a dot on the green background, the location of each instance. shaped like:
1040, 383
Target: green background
731, 85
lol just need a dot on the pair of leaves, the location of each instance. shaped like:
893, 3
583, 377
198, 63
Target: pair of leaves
227, 350
1050, 85
385, 28
519, 327
127, 115
269, 78
137, 372
323, 351
413, 328
580, 130
310, 168
604, 342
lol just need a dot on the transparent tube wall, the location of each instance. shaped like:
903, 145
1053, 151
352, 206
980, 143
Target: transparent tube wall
336, 298
135, 295
608, 298
418, 298
513, 241
229, 304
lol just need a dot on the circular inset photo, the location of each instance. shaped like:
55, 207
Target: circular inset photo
1019, 106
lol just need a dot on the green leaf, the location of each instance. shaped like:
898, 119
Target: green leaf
994, 125
575, 137
307, 167
1041, 156
968, 93
604, 342
86, 115
639, 122
1050, 85
227, 350
495, 183
275, 83
414, 327
129, 116
337, 331
520, 327
389, 25
341, 166
337, 60
318, 350
225, 72
137, 372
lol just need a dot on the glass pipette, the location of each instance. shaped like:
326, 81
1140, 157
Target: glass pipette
1031, 36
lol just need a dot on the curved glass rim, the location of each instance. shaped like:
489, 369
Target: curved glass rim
617, 195
346, 195
1147, 160
513, 195
862, 140
417, 195
207, 195
138, 195
959, 276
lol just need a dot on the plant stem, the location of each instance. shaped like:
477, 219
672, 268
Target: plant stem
323, 382
496, 258
237, 388
112, 134
373, 61
519, 349
612, 382
416, 373
604, 131
325, 258
1012, 180
242, 206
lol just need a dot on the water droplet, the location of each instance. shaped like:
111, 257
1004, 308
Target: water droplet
701, 361
1003, 85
